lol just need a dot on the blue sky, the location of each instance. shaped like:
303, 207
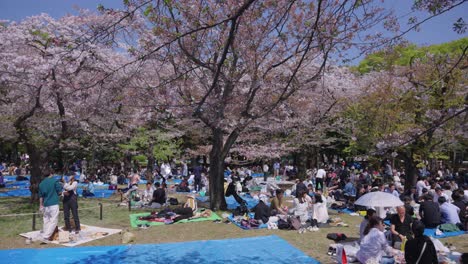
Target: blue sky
435, 31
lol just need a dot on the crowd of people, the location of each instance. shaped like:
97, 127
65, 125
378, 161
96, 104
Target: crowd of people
438, 198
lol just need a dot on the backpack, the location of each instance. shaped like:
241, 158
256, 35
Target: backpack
336, 236
173, 201
295, 223
283, 224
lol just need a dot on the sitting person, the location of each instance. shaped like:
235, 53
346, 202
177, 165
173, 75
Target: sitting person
2, 181
409, 209
276, 206
19, 174
370, 213
349, 190
183, 186
400, 225
457, 197
429, 211
88, 190
320, 211
448, 212
262, 212
374, 245
302, 204
420, 249
159, 196
191, 203
148, 193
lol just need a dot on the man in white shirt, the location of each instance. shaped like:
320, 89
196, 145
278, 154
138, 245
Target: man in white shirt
420, 185
321, 173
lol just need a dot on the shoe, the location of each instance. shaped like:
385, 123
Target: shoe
315, 229
217, 221
310, 229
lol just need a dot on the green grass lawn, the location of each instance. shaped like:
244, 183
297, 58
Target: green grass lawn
314, 244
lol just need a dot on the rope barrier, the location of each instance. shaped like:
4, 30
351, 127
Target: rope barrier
38, 213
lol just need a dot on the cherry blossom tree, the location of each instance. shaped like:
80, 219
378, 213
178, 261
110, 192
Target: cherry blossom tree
53, 85
230, 63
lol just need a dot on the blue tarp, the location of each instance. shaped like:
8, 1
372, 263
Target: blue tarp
98, 193
16, 193
255, 175
431, 232
265, 249
232, 203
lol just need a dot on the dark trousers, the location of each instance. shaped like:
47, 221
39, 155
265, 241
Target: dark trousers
197, 184
317, 182
71, 203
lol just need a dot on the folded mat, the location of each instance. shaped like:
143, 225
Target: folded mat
134, 221
263, 249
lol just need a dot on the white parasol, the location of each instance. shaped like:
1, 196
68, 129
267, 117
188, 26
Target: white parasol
378, 199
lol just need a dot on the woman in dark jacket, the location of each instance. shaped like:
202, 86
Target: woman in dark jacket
420, 249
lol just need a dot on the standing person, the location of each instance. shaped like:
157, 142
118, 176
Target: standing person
197, 171
265, 172
184, 169
70, 202
84, 166
420, 249
388, 171
276, 168
321, 173
49, 191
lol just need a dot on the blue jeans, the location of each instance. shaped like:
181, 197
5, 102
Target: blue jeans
387, 260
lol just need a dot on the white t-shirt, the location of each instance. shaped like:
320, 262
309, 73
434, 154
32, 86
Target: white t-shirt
321, 173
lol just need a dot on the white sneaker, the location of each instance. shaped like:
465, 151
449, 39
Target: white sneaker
315, 229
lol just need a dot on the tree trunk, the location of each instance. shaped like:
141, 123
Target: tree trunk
36, 172
217, 200
150, 168
301, 159
410, 170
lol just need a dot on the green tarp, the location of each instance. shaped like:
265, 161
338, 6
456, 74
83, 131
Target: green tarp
134, 222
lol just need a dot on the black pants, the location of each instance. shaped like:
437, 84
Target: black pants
197, 184
317, 181
71, 203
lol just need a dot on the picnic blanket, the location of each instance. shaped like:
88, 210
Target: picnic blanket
237, 223
88, 233
134, 221
227, 251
